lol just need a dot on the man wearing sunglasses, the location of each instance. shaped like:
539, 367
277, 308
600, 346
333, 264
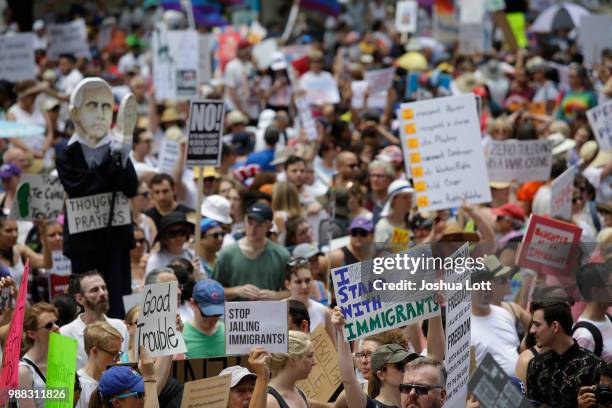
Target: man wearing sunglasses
205, 334
122, 387
423, 385
210, 243
359, 247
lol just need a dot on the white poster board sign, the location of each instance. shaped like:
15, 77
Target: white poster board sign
594, 35
129, 301
91, 212
358, 93
17, 57
43, 197
264, 52
306, 120
472, 38
561, 191
68, 38
379, 80
205, 57
511, 160
320, 89
600, 119
169, 153
176, 64
442, 145
406, 14
156, 328
471, 11
253, 324
458, 335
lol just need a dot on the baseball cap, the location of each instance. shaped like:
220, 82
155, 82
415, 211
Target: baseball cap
207, 224
361, 223
119, 378
510, 210
8, 170
306, 250
260, 212
209, 296
389, 354
237, 373
243, 43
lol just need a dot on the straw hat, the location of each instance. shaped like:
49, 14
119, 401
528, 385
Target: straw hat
171, 115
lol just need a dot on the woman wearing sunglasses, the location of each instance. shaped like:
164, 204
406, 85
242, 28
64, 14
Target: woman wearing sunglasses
174, 232
123, 387
40, 319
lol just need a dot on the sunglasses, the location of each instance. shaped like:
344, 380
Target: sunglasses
137, 395
216, 235
146, 194
50, 325
418, 388
175, 233
358, 232
361, 354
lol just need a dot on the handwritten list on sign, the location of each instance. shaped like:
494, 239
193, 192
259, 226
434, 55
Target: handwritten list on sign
442, 145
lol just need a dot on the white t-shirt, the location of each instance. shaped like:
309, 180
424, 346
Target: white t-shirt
75, 330
88, 385
66, 84
585, 338
495, 334
237, 74
317, 314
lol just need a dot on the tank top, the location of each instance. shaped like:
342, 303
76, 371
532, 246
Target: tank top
16, 270
349, 258
281, 401
39, 382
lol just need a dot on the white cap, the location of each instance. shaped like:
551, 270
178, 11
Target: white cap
217, 208
38, 25
279, 62
395, 188
237, 373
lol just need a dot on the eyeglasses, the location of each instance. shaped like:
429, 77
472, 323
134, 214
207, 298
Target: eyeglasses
362, 354
50, 325
216, 235
116, 356
420, 389
175, 233
358, 232
137, 395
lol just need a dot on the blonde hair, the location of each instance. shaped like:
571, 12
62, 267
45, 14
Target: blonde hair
98, 334
604, 240
132, 314
298, 346
285, 197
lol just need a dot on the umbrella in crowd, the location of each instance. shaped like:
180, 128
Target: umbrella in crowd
559, 16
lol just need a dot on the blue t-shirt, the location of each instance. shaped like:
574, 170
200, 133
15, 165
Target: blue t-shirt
263, 158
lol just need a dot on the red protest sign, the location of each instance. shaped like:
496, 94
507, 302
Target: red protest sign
10, 363
548, 246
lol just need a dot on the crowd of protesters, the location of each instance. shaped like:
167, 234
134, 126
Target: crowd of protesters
275, 209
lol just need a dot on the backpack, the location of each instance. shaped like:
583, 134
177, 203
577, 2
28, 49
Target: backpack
595, 332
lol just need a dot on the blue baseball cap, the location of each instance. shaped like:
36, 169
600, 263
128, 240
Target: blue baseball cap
208, 294
8, 170
118, 379
207, 224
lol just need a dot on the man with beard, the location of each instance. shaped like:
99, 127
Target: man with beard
91, 293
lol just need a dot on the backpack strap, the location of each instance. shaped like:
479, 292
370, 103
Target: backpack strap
35, 367
594, 332
281, 401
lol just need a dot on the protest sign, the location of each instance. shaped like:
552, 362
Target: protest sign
61, 368
511, 160
600, 119
471, 11
472, 38
594, 35
406, 14
40, 196
9, 378
156, 327
320, 89
256, 324
68, 38
264, 52
209, 392
198, 368
324, 379
306, 120
91, 212
358, 93
445, 23
379, 80
176, 64
169, 152
205, 133
204, 57
362, 304
441, 144
228, 45
59, 274
458, 335
129, 301
17, 57
548, 245
561, 191
492, 387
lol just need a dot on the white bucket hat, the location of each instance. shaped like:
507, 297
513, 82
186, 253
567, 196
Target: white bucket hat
395, 188
217, 208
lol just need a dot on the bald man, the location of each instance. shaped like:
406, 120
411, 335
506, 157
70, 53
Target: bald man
348, 168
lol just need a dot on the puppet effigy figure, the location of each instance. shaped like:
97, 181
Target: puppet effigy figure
96, 161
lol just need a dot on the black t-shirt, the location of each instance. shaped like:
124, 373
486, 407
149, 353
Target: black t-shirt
156, 216
372, 403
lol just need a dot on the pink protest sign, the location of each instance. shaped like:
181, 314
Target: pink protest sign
10, 363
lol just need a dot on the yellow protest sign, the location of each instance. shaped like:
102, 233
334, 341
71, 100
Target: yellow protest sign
61, 370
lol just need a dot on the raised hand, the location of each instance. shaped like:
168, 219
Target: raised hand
126, 119
258, 360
